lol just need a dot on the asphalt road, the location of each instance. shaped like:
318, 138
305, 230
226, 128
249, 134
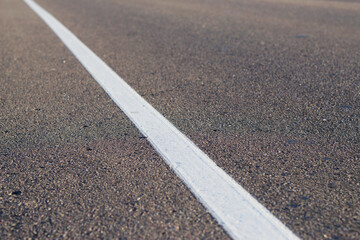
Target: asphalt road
269, 89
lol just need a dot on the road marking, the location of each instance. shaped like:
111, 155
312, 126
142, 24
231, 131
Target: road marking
233, 207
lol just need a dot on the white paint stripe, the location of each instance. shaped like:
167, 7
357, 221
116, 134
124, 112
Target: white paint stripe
234, 208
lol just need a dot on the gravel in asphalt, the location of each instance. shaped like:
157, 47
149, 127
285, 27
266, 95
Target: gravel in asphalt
269, 89
72, 165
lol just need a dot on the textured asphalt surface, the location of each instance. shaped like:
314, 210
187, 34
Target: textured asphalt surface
269, 89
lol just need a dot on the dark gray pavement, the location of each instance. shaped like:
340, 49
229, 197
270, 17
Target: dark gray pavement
72, 165
270, 89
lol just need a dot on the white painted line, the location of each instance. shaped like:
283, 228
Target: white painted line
234, 208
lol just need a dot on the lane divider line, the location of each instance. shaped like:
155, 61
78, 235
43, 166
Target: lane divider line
240, 214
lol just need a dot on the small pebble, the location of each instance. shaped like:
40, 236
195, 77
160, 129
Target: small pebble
18, 192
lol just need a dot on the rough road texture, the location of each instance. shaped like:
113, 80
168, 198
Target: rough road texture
270, 89
72, 165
